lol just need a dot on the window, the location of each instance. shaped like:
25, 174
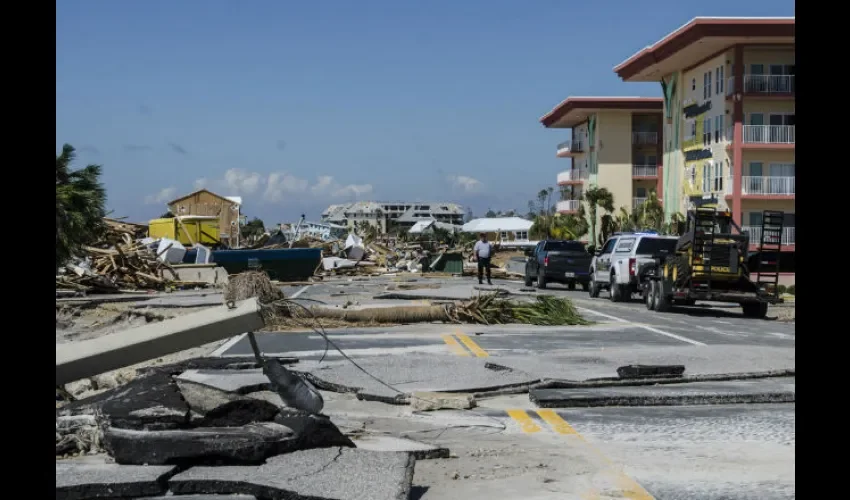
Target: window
690, 129
708, 87
522, 235
706, 177
625, 245
652, 246
717, 128
569, 247
705, 85
692, 176
706, 131
694, 84
504, 235
721, 79
717, 81
640, 192
609, 246
755, 218
756, 169
781, 170
718, 177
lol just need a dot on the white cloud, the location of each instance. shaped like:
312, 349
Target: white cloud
465, 183
353, 190
278, 187
164, 195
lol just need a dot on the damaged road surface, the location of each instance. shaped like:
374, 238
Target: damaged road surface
621, 408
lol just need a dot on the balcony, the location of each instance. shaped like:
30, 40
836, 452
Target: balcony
764, 186
645, 171
573, 177
569, 148
638, 202
769, 134
567, 206
764, 85
644, 138
789, 235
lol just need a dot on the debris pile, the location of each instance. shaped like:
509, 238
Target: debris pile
122, 260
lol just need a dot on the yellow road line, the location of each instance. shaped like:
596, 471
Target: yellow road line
526, 423
454, 346
558, 424
471, 345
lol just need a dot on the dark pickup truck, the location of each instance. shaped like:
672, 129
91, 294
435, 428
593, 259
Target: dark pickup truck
558, 261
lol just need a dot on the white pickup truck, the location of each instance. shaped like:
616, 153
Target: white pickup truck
616, 265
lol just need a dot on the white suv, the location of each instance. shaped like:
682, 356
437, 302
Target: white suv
616, 265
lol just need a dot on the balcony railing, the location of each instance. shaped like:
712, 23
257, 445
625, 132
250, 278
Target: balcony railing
789, 235
641, 138
571, 146
638, 202
765, 185
764, 84
567, 205
573, 175
769, 134
644, 170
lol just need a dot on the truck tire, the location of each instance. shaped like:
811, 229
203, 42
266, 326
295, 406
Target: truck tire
528, 279
593, 289
585, 286
571, 285
541, 280
663, 302
615, 291
755, 310
650, 296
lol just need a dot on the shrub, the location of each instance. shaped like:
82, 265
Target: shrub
791, 289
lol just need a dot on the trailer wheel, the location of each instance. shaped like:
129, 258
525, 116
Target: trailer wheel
755, 310
663, 302
650, 296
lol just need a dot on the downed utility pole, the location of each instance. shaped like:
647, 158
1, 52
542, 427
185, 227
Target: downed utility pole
77, 360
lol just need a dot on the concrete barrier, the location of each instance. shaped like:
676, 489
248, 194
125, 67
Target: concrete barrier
77, 360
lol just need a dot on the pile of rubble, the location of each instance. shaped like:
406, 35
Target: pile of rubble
222, 423
122, 260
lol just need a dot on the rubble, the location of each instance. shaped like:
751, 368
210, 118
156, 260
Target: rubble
80, 479
121, 261
430, 401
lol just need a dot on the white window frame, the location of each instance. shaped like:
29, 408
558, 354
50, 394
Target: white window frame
692, 175
706, 176
522, 235
690, 129
709, 85
717, 177
706, 130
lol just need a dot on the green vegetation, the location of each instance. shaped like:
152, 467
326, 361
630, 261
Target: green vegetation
545, 310
80, 205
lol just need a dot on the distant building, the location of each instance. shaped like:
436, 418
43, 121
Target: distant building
428, 226
205, 202
386, 215
500, 228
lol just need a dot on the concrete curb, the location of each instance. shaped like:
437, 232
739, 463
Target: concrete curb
682, 400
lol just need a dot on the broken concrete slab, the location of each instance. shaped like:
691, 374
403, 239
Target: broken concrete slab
330, 473
420, 451
202, 398
429, 401
239, 412
149, 403
695, 393
313, 431
423, 372
251, 443
79, 479
232, 381
644, 371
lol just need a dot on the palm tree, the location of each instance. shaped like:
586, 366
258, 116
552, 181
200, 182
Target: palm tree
541, 201
80, 205
549, 191
597, 197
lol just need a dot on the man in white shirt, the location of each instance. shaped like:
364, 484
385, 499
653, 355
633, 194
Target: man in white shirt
481, 253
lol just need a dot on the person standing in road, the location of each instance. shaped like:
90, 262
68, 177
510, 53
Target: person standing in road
482, 252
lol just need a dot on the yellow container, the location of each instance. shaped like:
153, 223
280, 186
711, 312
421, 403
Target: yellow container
200, 229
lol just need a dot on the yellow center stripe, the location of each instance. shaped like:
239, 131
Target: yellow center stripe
454, 346
471, 345
558, 424
526, 423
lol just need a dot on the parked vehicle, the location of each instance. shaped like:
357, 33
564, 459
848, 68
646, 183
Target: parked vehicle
558, 261
615, 266
710, 263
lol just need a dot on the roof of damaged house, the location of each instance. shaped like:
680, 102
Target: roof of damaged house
362, 206
193, 193
497, 224
701, 39
422, 225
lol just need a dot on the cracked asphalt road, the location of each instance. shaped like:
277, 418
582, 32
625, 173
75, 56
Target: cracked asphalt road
508, 448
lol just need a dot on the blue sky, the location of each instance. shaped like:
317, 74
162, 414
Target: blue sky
296, 105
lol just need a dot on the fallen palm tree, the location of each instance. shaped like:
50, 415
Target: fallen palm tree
485, 309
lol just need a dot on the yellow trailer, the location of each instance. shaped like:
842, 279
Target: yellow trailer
187, 229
